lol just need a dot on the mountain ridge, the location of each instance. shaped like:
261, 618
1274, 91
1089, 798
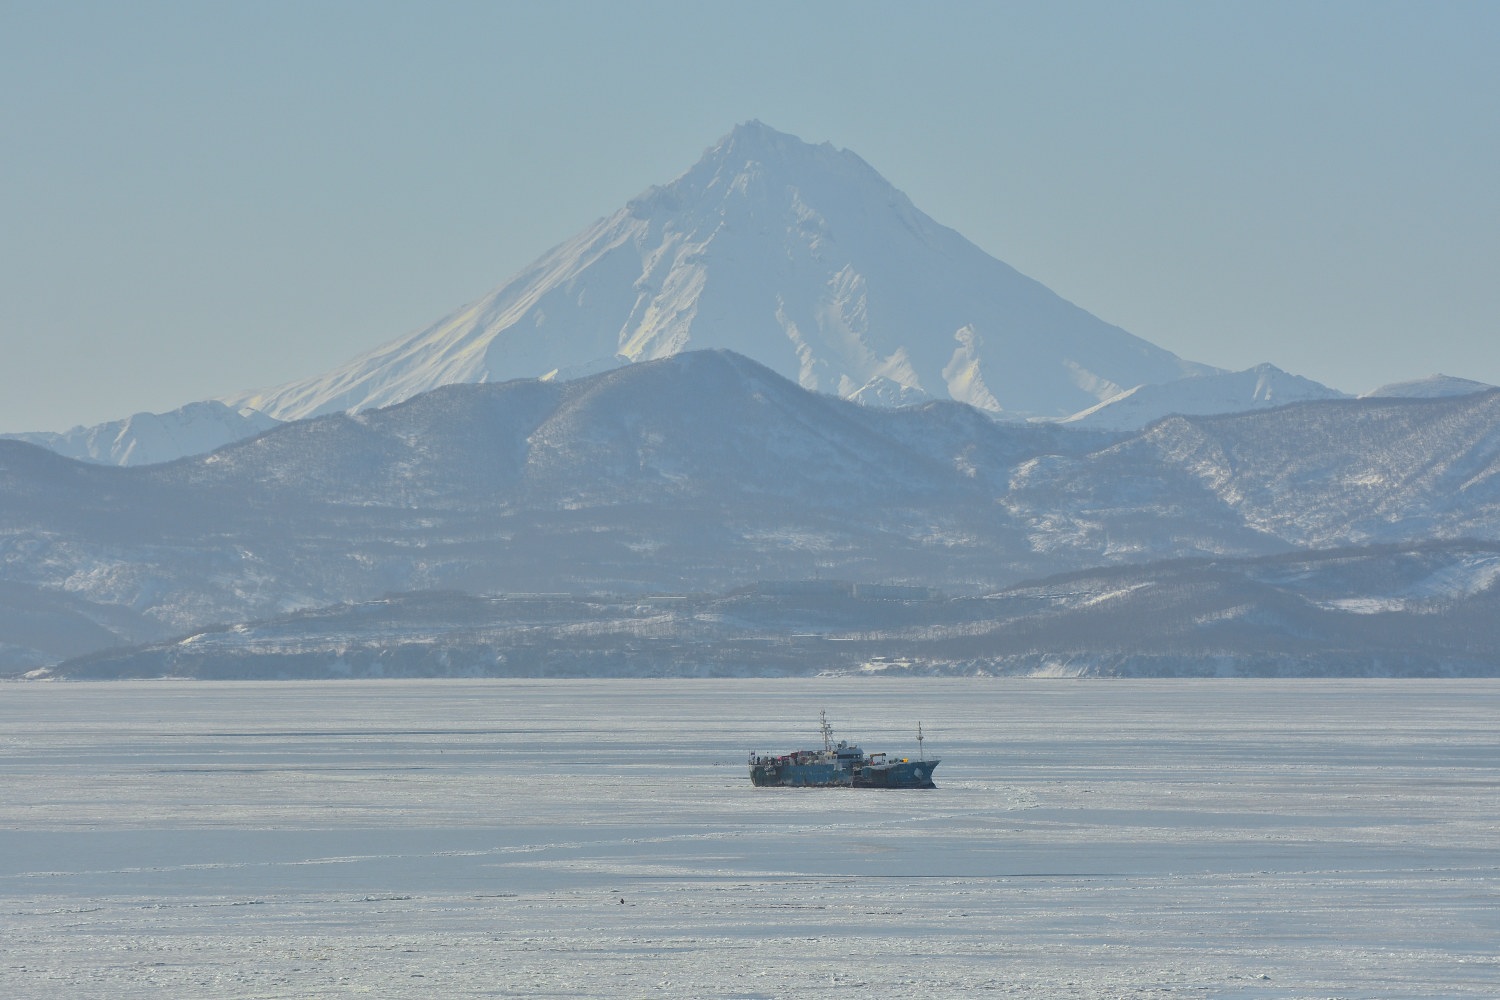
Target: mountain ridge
1429, 387
1255, 388
704, 471
149, 438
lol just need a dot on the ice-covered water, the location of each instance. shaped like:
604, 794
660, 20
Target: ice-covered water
600, 838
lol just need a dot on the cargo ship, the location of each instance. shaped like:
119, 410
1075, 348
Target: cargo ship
841, 766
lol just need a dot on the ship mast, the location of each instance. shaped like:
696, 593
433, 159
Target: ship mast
919, 743
827, 732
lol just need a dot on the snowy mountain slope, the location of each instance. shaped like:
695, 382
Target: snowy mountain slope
1352, 471
1431, 387
799, 256
1300, 614
1427, 609
700, 470
679, 429
1317, 474
1261, 387
705, 471
148, 438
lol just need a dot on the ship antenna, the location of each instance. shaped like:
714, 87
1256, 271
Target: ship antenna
919, 743
827, 731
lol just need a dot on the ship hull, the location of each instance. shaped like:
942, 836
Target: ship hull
902, 774
898, 774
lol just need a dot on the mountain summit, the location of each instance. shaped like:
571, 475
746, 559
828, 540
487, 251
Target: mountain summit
799, 256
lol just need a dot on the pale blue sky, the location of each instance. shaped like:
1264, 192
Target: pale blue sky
201, 197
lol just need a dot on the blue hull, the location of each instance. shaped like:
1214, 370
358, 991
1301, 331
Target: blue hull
905, 774
898, 774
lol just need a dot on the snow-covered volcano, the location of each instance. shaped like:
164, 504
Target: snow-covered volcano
799, 256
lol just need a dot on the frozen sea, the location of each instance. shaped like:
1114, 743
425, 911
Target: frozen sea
1089, 839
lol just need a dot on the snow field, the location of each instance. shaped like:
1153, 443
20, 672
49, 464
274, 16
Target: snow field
1243, 839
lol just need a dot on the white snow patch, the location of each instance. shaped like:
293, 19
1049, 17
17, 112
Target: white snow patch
1364, 605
